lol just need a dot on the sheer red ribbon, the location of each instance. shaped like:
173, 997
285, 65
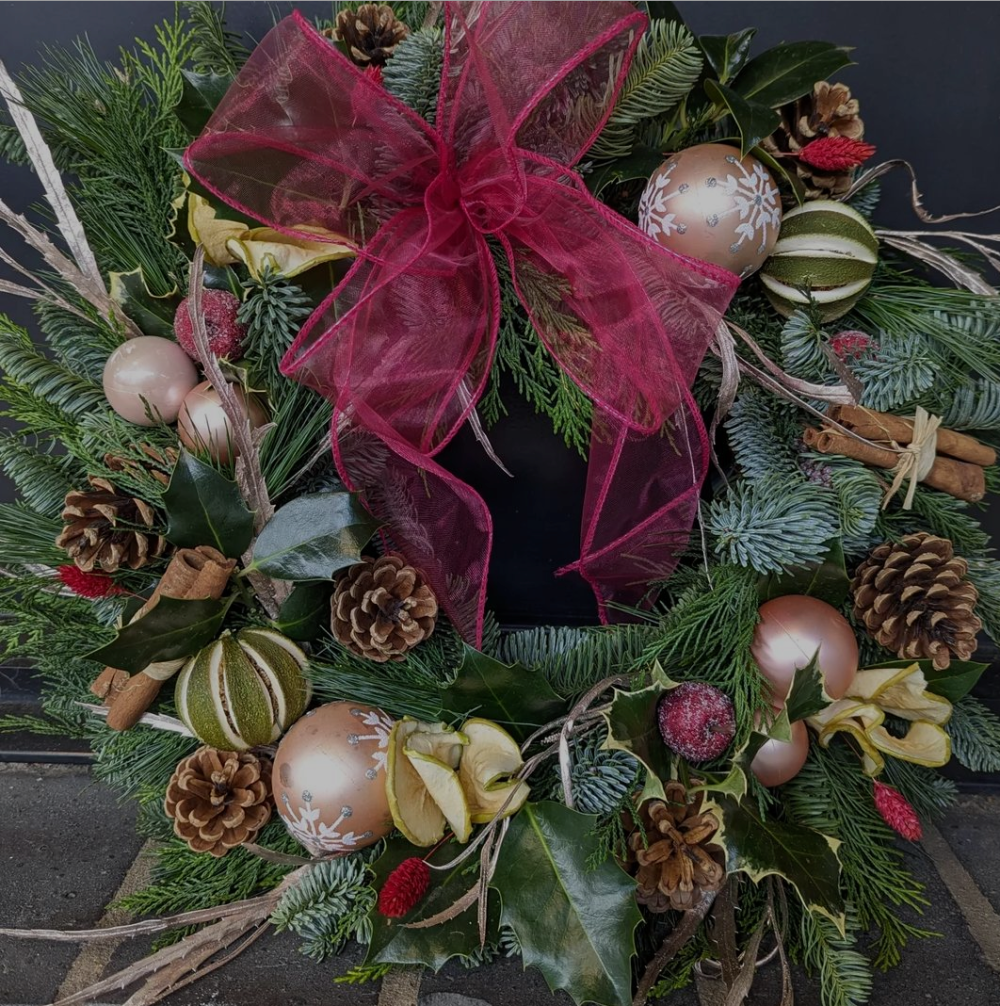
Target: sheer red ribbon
403, 345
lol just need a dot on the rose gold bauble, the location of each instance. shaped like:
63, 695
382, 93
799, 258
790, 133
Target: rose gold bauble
707, 203
203, 425
791, 630
329, 778
149, 368
778, 761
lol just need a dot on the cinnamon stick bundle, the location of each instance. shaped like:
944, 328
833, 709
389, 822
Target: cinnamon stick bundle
192, 574
879, 426
960, 479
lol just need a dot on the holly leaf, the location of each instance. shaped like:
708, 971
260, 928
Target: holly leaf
203, 507
517, 698
807, 695
200, 97
305, 612
633, 727
953, 684
393, 943
576, 924
313, 537
761, 847
753, 120
640, 164
825, 579
727, 54
788, 71
154, 315
174, 629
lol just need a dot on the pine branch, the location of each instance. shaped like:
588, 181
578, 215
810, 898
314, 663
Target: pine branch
666, 66
942, 515
802, 353
42, 482
975, 735
329, 906
413, 75
602, 781
975, 405
765, 435
845, 975
214, 48
897, 373
772, 525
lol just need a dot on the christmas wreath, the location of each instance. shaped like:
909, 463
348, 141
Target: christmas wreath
360, 236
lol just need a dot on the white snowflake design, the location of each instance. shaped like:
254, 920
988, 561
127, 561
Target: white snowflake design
755, 199
304, 821
654, 218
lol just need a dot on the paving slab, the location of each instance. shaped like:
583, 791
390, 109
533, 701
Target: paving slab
972, 829
65, 845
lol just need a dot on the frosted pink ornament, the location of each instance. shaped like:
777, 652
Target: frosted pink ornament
779, 761
204, 426
148, 371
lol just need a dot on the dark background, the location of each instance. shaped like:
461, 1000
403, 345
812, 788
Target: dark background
928, 82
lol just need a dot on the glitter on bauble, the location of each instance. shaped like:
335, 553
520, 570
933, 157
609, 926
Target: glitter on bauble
219, 310
147, 379
329, 778
778, 761
792, 630
710, 204
204, 426
696, 721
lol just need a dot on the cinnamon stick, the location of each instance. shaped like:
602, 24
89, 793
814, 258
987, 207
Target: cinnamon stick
960, 479
192, 574
879, 426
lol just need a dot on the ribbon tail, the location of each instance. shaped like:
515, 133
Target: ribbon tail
441, 525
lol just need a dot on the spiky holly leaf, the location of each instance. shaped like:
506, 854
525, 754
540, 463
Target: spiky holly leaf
761, 847
574, 923
172, 630
306, 611
633, 727
753, 120
517, 698
807, 695
203, 507
393, 943
788, 71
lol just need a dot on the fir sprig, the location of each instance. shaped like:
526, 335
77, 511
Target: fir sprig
414, 73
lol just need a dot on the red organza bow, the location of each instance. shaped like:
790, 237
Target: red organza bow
402, 347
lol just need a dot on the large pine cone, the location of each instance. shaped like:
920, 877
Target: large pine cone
673, 852
219, 799
104, 528
914, 598
371, 33
828, 110
382, 608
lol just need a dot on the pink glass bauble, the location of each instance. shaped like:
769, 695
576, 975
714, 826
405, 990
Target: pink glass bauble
707, 203
790, 632
778, 761
203, 425
329, 778
148, 370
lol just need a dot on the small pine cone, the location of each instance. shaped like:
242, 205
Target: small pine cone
381, 608
159, 465
219, 799
105, 529
914, 598
371, 33
828, 110
673, 857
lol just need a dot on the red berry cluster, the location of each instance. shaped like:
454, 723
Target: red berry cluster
93, 586
835, 153
852, 344
404, 888
897, 812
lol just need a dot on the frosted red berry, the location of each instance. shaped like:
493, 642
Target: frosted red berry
697, 721
897, 812
93, 586
852, 344
225, 333
404, 888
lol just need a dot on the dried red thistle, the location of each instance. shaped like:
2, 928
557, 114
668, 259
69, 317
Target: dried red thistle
835, 153
852, 344
404, 888
90, 585
897, 812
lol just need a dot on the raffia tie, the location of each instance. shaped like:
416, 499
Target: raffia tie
915, 459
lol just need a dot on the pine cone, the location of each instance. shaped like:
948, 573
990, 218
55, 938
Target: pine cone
828, 110
371, 33
676, 862
219, 799
159, 465
913, 597
105, 528
382, 608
